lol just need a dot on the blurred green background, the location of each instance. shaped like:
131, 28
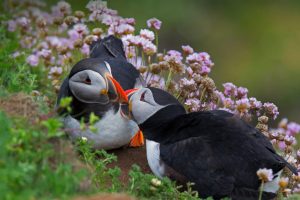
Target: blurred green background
255, 44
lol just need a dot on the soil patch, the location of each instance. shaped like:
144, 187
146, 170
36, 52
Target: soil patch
129, 156
21, 105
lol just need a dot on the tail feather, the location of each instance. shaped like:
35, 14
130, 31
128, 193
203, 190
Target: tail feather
109, 47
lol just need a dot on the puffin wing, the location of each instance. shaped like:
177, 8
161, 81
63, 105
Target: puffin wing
109, 47
217, 151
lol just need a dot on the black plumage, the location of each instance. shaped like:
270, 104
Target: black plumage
216, 150
110, 49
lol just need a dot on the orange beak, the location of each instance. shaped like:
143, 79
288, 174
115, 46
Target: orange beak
115, 91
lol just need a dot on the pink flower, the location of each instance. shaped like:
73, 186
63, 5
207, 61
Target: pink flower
124, 29
145, 33
23, 22
173, 55
242, 106
45, 53
85, 49
54, 71
193, 104
130, 21
154, 23
96, 5
242, 92
289, 140
205, 58
149, 48
62, 8
255, 105
187, 49
293, 128
205, 70
33, 60
81, 29
265, 175
230, 89
186, 84
11, 25
271, 110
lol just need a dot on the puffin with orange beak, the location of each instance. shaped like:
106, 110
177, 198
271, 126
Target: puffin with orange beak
96, 86
216, 150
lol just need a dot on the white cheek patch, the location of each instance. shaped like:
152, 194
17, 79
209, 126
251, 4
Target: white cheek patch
142, 111
88, 93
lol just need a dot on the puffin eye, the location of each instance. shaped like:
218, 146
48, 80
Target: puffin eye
143, 97
88, 80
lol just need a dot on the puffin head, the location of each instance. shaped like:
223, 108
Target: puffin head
145, 104
90, 81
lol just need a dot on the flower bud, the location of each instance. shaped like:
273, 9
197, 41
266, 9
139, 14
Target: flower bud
79, 14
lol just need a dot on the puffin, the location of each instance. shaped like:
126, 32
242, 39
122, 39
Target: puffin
216, 150
96, 85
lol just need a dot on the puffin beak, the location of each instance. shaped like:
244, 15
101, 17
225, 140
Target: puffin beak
127, 108
114, 90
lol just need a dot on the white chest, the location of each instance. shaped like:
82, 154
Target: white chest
153, 156
113, 131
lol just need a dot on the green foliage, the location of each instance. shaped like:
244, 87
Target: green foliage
14, 74
65, 103
30, 167
147, 186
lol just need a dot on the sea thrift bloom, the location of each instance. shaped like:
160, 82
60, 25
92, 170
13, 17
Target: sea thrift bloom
61, 9
55, 72
33, 60
271, 110
255, 104
145, 33
124, 29
293, 128
194, 57
154, 23
228, 103
173, 55
290, 159
96, 5
149, 48
205, 70
81, 29
45, 53
289, 140
242, 92
205, 57
230, 89
85, 49
283, 182
265, 175
186, 84
187, 49
283, 123
23, 22
11, 25
193, 104
242, 106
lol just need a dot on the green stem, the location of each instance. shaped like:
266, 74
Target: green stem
169, 78
202, 94
156, 40
261, 190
